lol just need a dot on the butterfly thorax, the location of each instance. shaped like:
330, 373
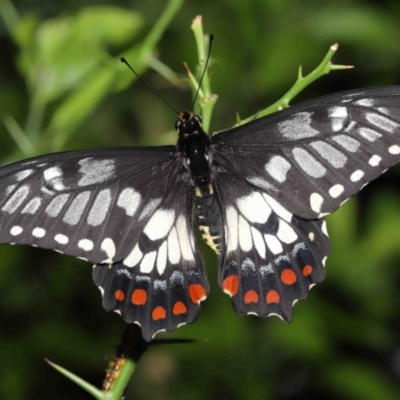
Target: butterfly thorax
193, 144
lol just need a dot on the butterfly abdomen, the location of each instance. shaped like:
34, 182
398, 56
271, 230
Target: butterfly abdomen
209, 218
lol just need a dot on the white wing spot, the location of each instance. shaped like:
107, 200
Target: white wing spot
60, 238
374, 160
23, 174
254, 208
232, 229
99, 209
95, 171
298, 126
369, 134
10, 189
56, 205
174, 254
244, 235
394, 149
277, 168
261, 183
323, 228
159, 224
356, 175
311, 236
53, 177
133, 257
32, 206
286, 233
273, 244
86, 244
365, 102
336, 190
347, 142
38, 232
16, 230
108, 246
147, 264
334, 157
77, 208
258, 242
316, 201
16, 199
338, 117
308, 163
162, 258
184, 239
129, 200
382, 122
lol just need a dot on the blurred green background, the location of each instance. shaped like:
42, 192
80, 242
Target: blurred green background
62, 87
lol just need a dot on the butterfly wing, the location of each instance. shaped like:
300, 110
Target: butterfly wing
314, 156
271, 258
117, 209
279, 175
161, 283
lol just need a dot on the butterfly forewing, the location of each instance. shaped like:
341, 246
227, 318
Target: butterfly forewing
314, 156
90, 204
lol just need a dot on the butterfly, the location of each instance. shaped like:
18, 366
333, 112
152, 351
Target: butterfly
258, 193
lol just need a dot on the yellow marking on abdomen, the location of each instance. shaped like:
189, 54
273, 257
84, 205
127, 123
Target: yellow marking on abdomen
210, 240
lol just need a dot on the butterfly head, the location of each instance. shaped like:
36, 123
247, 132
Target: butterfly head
188, 123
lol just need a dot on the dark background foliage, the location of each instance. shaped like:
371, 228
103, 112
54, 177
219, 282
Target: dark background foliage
61, 82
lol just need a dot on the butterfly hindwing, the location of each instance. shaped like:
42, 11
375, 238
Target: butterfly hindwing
271, 257
314, 156
161, 283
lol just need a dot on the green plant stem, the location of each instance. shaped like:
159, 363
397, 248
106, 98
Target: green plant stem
96, 393
164, 70
129, 352
161, 25
302, 82
207, 98
18, 135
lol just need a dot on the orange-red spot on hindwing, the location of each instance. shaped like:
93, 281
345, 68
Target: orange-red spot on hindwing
307, 270
119, 295
231, 285
251, 297
159, 313
288, 276
197, 293
139, 297
179, 308
272, 297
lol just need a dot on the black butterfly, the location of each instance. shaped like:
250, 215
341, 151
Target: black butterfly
259, 192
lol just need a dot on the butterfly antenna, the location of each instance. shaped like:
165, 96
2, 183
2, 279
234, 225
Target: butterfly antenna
123, 60
204, 72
